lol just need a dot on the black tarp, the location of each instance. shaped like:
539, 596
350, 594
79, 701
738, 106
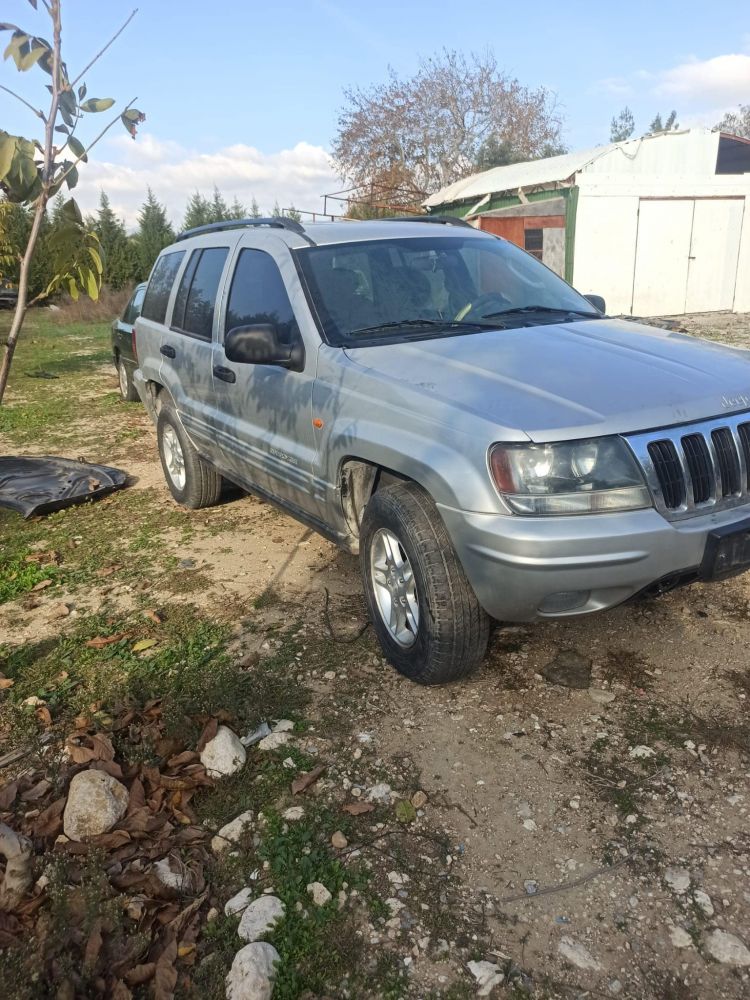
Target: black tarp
46, 484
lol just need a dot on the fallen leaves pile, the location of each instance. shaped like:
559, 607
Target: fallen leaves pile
150, 865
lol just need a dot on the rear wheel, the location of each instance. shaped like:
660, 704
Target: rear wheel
191, 481
128, 391
424, 612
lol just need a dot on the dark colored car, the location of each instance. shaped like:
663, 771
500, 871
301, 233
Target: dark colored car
123, 344
8, 296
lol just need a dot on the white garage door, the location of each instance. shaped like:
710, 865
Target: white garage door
686, 255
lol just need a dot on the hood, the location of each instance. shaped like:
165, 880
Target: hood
569, 380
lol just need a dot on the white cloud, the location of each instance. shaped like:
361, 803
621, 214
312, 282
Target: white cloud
720, 80
297, 176
618, 86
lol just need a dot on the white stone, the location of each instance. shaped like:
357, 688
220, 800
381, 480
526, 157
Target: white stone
680, 937
293, 814
601, 697
339, 841
678, 879
96, 801
224, 754
727, 948
239, 902
529, 824
232, 832
703, 900
260, 917
320, 895
380, 793
642, 752
274, 741
487, 975
576, 954
172, 873
253, 972
283, 726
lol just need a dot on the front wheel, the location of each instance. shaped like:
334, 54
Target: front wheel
424, 612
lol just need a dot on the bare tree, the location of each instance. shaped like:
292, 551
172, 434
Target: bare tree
737, 122
428, 130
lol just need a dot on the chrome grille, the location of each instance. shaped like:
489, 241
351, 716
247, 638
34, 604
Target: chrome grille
693, 469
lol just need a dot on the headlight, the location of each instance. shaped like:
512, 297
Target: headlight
573, 477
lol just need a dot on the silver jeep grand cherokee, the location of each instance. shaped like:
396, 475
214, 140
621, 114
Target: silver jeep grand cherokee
436, 399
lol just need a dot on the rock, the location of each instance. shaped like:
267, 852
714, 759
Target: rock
678, 879
703, 900
253, 972
320, 895
96, 801
172, 873
487, 975
283, 726
293, 814
274, 741
260, 917
569, 669
727, 948
212, 914
239, 902
642, 752
232, 832
380, 793
601, 697
529, 824
339, 841
576, 954
419, 800
680, 937
224, 754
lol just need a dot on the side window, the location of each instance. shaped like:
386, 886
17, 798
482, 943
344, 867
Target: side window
196, 296
160, 286
133, 308
258, 295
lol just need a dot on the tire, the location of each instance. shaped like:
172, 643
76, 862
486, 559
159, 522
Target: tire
128, 392
441, 634
191, 481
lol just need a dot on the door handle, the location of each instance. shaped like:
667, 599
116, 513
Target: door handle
167, 351
225, 374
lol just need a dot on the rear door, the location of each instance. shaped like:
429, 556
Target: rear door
123, 327
264, 412
187, 346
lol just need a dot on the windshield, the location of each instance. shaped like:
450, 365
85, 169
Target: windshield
427, 287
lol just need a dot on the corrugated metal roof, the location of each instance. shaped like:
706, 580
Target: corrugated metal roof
688, 150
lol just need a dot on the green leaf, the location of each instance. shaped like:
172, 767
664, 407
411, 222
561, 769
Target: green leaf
405, 811
134, 115
144, 644
13, 50
82, 92
71, 212
35, 52
77, 148
94, 254
71, 178
92, 289
97, 104
61, 128
67, 117
7, 152
73, 289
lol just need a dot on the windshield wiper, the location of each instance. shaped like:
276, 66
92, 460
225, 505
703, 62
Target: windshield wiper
425, 324
542, 309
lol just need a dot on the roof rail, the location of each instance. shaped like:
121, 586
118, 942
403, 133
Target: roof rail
440, 220
274, 222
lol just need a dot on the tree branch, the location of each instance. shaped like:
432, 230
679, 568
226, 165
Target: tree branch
18, 97
94, 141
101, 51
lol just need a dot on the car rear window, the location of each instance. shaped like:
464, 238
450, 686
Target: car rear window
160, 286
196, 297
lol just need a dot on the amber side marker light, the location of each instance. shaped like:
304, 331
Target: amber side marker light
317, 422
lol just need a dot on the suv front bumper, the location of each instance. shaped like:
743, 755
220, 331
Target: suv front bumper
524, 568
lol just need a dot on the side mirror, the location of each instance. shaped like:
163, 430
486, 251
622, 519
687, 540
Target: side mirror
597, 302
261, 345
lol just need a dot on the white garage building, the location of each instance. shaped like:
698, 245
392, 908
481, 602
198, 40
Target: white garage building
657, 225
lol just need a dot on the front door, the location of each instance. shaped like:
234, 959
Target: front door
264, 412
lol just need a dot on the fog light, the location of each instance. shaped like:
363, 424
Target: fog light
565, 600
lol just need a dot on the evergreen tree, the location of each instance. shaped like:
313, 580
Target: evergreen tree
622, 126
218, 209
154, 233
198, 212
254, 209
237, 210
657, 125
276, 210
292, 213
118, 258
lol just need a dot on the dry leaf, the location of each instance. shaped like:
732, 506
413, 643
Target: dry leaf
358, 808
120, 991
83, 749
107, 570
144, 644
44, 715
6, 682
140, 974
58, 611
93, 946
37, 791
105, 640
303, 781
49, 822
211, 729
42, 585
165, 975
155, 617
8, 795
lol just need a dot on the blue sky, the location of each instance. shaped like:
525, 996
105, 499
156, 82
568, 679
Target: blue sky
247, 94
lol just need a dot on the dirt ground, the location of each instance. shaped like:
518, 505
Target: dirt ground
596, 839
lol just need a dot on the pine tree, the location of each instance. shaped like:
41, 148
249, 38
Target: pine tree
254, 209
154, 233
120, 264
276, 211
657, 125
237, 210
622, 126
218, 208
292, 213
197, 213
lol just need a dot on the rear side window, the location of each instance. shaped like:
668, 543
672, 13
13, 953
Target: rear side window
196, 296
133, 309
160, 286
258, 295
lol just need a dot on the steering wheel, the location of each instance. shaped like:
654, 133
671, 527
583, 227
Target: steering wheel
488, 302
